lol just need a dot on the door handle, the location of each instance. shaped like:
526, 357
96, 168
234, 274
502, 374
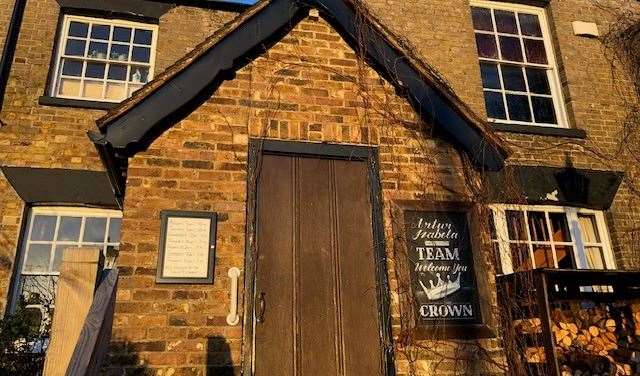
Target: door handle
261, 308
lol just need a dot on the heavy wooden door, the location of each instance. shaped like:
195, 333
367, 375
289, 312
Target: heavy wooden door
315, 295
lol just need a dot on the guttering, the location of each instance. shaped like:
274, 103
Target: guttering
108, 158
10, 43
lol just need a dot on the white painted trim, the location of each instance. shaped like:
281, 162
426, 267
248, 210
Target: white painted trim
56, 77
555, 85
576, 243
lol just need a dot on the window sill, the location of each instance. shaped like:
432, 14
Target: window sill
64, 102
542, 131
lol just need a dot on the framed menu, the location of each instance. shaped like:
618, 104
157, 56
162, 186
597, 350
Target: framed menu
187, 247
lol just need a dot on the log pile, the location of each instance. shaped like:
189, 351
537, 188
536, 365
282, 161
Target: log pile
586, 341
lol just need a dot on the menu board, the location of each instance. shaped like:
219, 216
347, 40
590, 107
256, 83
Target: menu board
187, 247
441, 268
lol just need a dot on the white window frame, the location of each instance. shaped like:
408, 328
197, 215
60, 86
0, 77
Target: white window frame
553, 75
578, 244
58, 211
62, 42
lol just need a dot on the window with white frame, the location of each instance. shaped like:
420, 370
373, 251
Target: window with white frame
49, 231
102, 59
518, 68
528, 237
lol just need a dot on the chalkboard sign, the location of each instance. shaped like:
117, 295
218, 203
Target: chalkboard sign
441, 268
187, 247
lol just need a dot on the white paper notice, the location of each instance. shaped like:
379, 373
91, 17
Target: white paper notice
186, 250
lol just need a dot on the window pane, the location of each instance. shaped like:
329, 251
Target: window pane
529, 25
506, 22
535, 51
117, 72
513, 78
495, 105
139, 74
57, 256
95, 70
560, 227
43, 227
543, 256
114, 230
595, 259
38, 257
71, 67
486, 46
78, 29
538, 226
515, 225
74, 47
588, 228
121, 34
543, 110
538, 81
100, 32
69, 87
32, 317
510, 48
520, 257
141, 54
489, 73
93, 89
97, 50
481, 18
142, 37
111, 255
518, 106
119, 52
496, 258
115, 91
564, 255
38, 289
94, 230
69, 229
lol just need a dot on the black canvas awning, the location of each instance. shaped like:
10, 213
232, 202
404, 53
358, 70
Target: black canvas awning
60, 186
553, 185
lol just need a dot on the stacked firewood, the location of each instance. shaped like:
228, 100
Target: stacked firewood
585, 335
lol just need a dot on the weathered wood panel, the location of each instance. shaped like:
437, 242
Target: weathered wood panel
93, 342
74, 296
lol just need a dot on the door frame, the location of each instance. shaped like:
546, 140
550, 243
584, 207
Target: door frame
259, 147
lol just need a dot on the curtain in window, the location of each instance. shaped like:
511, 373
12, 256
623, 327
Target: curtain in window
589, 231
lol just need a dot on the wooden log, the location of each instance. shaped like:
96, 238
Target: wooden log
74, 295
610, 324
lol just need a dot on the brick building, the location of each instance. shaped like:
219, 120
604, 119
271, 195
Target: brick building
448, 144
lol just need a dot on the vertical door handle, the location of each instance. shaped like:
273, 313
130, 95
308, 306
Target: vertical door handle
261, 308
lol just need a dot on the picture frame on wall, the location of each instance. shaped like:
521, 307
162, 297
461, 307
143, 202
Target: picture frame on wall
186, 253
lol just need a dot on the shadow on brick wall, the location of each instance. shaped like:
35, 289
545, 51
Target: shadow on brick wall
219, 361
122, 359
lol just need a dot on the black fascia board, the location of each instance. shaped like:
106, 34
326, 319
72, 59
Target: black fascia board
426, 100
115, 166
137, 128
132, 131
61, 186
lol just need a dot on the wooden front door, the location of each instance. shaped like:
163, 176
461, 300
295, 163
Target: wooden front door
315, 304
